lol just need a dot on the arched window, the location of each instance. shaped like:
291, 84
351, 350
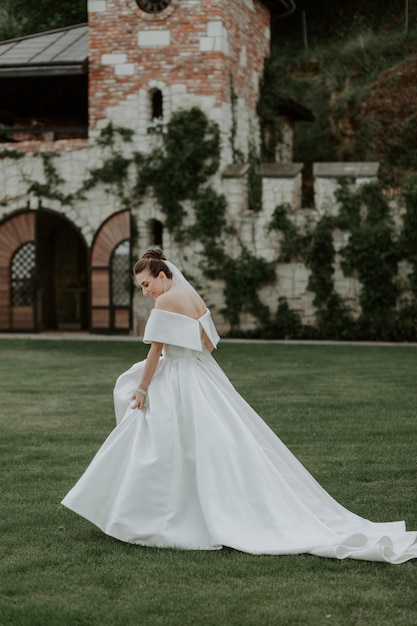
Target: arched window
121, 275
22, 275
157, 105
155, 232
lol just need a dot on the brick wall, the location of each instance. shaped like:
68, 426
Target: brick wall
189, 51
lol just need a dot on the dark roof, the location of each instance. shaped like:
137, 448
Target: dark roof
61, 51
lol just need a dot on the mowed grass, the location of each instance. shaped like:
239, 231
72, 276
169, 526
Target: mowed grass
347, 412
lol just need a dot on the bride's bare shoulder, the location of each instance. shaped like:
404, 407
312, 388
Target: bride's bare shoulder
181, 300
171, 300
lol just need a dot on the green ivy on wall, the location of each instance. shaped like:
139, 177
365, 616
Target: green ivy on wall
49, 188
372, 254
178, 171
313, 247
11, 154
408, 240
293, 245
237, 155
254, 178
210, 216
113, 173
243, 277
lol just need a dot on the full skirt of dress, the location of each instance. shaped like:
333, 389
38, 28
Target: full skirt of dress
199, 469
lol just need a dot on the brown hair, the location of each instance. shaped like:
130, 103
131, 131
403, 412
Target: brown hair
153, 262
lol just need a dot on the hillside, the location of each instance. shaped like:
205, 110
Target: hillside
391, 111
357, 73
353, 64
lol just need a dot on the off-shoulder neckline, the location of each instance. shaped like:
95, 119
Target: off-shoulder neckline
195, 319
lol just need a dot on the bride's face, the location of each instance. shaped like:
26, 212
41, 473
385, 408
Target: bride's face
150, 285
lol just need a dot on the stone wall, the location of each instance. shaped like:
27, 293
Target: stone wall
281, 184
87, 214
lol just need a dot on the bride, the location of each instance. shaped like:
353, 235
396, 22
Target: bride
191, 465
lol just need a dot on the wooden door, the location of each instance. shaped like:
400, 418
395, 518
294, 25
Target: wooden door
111, 284
18, 273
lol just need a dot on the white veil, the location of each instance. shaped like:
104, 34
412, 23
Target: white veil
178, 277
206, 320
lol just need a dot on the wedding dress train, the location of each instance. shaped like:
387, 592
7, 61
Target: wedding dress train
197, 468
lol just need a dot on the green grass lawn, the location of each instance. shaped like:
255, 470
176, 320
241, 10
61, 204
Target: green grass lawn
348, 412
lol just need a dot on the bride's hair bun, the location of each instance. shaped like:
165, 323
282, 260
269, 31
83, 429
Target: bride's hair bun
153, 262
154, 253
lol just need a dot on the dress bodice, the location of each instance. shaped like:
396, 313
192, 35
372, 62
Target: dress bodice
180, 330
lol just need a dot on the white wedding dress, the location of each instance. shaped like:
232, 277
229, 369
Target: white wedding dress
198, 469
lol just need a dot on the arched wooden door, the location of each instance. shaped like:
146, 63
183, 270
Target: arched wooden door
18, 273
111, 284
43, 273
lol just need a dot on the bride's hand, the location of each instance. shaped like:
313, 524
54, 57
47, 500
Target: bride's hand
138, 400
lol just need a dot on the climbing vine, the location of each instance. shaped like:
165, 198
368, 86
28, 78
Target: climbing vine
313, 247
243, 276
254, 178
50, 187
372, 254
177, 171
320, 260
113, 173
408, 240
237, 155
11, 154
209, 213
294, 244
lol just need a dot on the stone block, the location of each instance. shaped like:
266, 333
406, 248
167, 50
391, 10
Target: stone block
178, 89
97, 6
366, 169
154, 38
206, 44
221, 44
125, 69
280, 170
236, 170
113, 59
215, 28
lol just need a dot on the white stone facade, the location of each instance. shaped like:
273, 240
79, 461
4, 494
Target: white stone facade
281, 184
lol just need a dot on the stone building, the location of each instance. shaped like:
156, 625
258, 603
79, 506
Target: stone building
61, 264
65, 256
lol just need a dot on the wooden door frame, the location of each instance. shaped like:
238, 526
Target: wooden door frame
16, 230
105, 317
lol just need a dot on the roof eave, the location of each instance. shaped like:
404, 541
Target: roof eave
55, 69
44, 32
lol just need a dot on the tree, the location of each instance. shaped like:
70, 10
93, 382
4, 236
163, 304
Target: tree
24, 17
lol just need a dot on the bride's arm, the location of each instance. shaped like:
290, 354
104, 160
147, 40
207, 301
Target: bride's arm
152, 360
